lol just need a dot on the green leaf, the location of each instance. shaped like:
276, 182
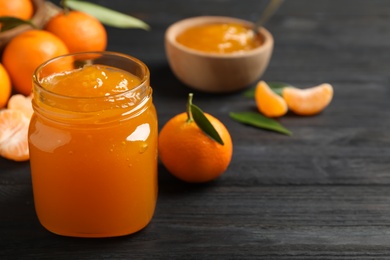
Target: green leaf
260, 121
9, 22
196, 114
107, 16
277, 87
204, 124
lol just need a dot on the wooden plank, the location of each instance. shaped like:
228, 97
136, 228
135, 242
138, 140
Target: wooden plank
322, 193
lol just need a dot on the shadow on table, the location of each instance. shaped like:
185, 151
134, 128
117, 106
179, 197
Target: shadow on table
166, 84
171, 186
23, 237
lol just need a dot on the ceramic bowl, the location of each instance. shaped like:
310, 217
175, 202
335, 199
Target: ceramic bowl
216, 73
38, 19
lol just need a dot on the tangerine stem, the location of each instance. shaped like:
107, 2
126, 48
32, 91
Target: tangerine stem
189, 104
64, 6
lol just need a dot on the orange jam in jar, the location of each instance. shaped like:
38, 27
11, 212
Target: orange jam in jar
220, 38
93, 145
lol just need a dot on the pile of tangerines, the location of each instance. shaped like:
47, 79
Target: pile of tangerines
65, 32
74, 31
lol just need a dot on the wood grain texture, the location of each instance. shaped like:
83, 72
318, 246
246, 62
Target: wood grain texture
323, 193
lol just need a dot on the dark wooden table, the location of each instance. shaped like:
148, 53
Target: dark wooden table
323, 193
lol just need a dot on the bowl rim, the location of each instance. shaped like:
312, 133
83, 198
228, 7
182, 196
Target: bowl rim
174, 29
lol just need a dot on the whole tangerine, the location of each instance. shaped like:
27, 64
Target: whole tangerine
191, 155
80, 32
5, 86
25, 52
22, 9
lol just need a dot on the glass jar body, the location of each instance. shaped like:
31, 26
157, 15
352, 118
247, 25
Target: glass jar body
94, 172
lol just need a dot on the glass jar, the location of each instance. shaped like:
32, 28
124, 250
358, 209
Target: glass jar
93, 159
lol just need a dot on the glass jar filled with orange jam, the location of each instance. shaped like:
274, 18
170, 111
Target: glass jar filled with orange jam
93, 145
220, 38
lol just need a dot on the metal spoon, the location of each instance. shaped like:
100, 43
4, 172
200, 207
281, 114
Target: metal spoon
270, 9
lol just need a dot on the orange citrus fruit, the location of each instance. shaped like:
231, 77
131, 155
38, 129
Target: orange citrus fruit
189, 154
21, 103
268, 102
22, 9
25, 52
13, 135
308, 101
80, 31
5, 86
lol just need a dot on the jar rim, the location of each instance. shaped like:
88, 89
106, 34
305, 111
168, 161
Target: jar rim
143, 80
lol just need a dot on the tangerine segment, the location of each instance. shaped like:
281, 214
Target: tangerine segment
21, 103
308, 101
13, 135
268, 102
189, 154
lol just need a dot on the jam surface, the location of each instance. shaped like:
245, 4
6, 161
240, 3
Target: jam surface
220, 38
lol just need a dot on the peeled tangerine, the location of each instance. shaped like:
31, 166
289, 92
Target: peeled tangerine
13, 135
22, 103
310, 101
268, 102
14, 122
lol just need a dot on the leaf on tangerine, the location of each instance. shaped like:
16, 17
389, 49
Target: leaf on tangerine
204, 124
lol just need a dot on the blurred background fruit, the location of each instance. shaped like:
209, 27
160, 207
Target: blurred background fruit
25, 52
38, 18
22, 9
5, 86
55, 29
79, 31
